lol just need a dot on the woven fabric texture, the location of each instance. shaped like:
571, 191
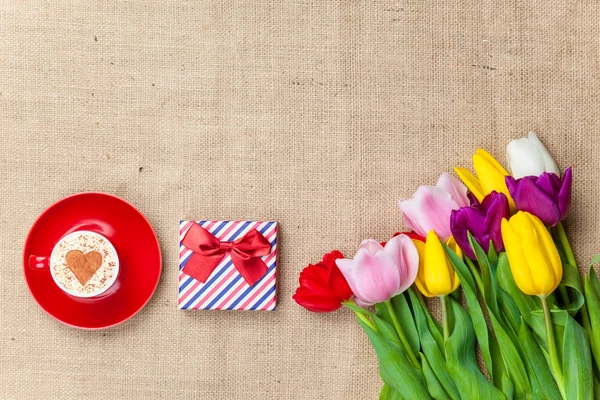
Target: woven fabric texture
320, 115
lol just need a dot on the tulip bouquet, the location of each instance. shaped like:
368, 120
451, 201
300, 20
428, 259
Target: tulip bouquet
492, 253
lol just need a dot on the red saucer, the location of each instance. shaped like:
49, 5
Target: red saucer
136, 245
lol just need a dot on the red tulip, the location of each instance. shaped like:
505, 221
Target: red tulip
323, 288
411, 234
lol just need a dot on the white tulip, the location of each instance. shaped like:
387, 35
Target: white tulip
528, 157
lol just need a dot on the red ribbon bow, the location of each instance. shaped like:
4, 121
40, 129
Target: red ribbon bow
209, 251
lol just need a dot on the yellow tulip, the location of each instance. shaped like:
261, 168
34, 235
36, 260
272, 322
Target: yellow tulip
490, 177
436, 276
533, 257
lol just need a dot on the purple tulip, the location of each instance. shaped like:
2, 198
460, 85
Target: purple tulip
483, 221
546, 196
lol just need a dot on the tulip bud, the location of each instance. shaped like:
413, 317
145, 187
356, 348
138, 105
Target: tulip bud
483, 221
490, 177
528, 157
436, 276
377, 273
533, 257
430, 207
323, 288
545, 196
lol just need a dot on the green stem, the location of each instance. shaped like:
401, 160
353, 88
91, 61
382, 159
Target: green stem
400, 332
445, 323
475, 274
361, 315
365, 319
564, 241
555, 365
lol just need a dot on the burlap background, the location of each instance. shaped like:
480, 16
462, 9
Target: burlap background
317, 114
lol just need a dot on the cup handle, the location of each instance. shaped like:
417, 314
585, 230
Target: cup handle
39, 262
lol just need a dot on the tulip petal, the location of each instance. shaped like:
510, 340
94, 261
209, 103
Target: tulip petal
465, 220
537, 254
372, 246
455, 282
491, 175
516, 258
373, 279
549, 164
329, 258
338, 284
496, 208
420, 279
549, 183
564, 196
532, 199
490, 162
429, 209
361, 303
456, 249
471, 182
315, 302
457, 190
545, 255
404, 253
528, 157
314, 278
524, 159
437, 274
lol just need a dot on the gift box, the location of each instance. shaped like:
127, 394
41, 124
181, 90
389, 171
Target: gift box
227, 265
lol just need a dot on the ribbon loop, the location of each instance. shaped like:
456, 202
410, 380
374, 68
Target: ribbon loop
209, 251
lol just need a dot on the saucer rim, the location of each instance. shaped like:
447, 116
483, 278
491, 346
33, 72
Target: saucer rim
26, 258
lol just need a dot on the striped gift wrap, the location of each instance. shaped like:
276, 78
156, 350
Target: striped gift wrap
225, 289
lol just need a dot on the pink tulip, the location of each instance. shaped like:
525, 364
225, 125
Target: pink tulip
378, 273
431, 206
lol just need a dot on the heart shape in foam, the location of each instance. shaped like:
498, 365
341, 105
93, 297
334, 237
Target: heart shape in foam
83, 266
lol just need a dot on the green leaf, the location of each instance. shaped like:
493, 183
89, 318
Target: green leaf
405, 319
592, 297
507, 387
529, 306
456, 295
358, 309
386, 330
487, 274
388, 393
509, 311
505, 324
461, 361
434, 326
595, 283
436, 330
577, 363
394, 366
596, 259
572, 280
435, 388
512, 359
542, 382
492, 254
501, 379
596, 388
431, 350
474, 308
